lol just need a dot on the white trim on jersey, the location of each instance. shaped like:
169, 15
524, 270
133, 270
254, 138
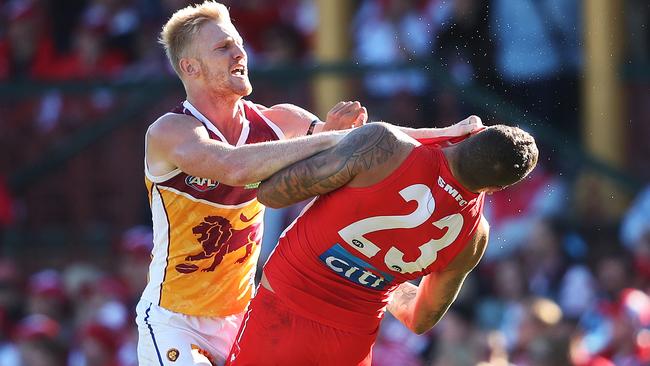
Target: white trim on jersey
161, 246
246, 128
274, 127
210, 126
147, 173
213, 204
160, 178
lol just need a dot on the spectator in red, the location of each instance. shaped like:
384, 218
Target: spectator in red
46, 294
90, 57
6, 205
615, 332
27, 50
37, 338
98, 346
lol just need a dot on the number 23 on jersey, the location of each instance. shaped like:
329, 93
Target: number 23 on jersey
354, 234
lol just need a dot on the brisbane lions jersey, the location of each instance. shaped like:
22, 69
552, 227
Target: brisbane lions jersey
206, 234
339, 261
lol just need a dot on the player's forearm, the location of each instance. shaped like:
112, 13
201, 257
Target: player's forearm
422, 133
238, 166
361, 150
471, 124
256, 162
420, 308
302, 180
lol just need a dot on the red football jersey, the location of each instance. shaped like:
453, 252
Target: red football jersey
339, 261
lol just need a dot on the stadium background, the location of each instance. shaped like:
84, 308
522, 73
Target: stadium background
567, 274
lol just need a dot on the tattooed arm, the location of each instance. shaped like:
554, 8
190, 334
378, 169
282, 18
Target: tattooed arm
365, 156
421, 307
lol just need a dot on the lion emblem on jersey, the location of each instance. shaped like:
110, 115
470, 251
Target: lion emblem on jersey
215, 234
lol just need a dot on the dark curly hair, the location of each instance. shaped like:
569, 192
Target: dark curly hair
499, 156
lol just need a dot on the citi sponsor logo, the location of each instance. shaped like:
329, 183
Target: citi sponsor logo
451, 191
353, 269
201, 184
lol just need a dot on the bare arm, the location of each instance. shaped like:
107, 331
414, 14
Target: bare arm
181, 141
294, 121
469, 125
372, 150
421, 307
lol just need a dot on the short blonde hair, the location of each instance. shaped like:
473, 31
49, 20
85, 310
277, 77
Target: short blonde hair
183, 25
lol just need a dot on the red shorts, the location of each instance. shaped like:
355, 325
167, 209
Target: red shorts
273, 334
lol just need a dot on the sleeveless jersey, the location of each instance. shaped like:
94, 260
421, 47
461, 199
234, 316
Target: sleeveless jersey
339, 261
206, 234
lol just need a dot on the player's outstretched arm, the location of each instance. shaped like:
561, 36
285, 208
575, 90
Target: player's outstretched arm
181, 141
372, 148
471, 124
421, 307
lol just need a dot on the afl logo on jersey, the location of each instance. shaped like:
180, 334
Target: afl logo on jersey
201, 184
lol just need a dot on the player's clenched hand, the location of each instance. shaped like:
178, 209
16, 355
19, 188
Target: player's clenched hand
345, 115
471, 124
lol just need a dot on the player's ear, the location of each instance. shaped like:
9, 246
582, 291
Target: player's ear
189, 66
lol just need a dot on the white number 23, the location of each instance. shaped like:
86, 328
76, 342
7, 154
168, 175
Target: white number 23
354, 233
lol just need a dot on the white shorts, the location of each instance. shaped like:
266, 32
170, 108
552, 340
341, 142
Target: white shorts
169, 338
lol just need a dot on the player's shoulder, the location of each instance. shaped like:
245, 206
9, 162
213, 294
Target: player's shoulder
171, 123
291, 119
390, 133
286, 108
382, 149
287, 112
389, 128
379, 136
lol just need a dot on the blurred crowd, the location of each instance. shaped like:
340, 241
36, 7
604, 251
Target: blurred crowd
528, 51
76, 315
564, 281
115, 39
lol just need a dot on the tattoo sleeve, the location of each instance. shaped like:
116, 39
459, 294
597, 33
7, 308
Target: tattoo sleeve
361, 150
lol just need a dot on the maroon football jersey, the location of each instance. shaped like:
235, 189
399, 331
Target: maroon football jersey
206, 234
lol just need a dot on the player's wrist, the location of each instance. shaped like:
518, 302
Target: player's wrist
312, 126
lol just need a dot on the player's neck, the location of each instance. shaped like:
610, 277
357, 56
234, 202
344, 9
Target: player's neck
222, 112
451, 154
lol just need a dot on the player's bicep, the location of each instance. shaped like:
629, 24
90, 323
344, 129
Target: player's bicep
360, 151
185, 143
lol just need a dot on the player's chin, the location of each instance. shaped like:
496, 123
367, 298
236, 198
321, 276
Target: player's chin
248, 91
244, 89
